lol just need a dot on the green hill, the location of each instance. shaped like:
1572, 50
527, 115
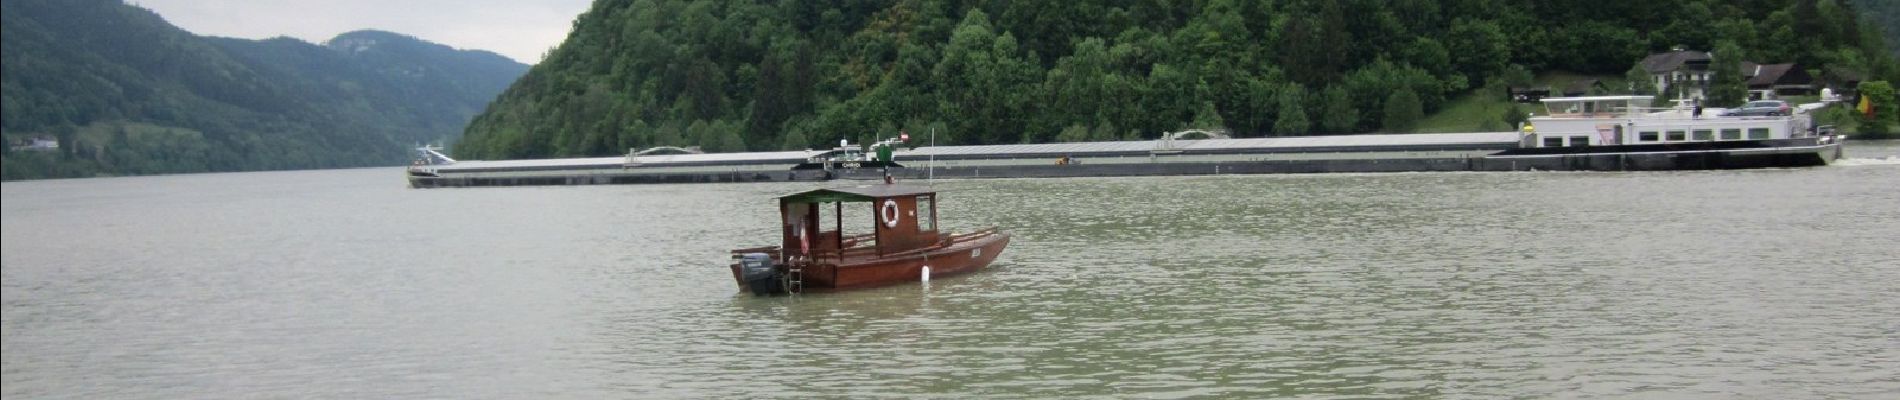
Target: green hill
128, 93
744, 75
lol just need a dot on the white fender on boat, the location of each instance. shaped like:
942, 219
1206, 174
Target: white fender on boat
926, 273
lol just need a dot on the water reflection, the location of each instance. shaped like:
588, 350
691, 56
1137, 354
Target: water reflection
1682, 284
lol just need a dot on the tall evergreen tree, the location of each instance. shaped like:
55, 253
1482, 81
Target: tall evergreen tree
1291, 118
1639, 81
1106, 132
1403, 111
1074, 133
1338, 114
794, 139
1208, 118
1513, 116
1727, 88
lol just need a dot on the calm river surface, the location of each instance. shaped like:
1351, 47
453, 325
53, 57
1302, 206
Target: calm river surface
346, 284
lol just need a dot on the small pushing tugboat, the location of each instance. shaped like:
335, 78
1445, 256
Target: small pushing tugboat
904, 245
426, 161
848, 161
1622, 133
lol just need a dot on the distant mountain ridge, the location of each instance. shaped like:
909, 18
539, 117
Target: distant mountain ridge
468, 68
128, 93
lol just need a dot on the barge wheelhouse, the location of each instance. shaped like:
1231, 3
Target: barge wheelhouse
1626, 133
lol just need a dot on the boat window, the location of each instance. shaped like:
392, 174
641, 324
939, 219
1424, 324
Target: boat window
1731, 134
1553, 141
1677, 136
1579, 141
1646, 136
1757, 133
927, 212
1704, 134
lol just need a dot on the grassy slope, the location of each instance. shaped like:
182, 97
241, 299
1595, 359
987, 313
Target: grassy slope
1472, 111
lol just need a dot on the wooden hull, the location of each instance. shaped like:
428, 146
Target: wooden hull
960, 256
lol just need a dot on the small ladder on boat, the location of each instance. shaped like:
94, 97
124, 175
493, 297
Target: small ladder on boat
794, 279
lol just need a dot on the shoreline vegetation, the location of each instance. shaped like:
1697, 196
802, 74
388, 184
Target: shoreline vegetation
737, 76
729, 75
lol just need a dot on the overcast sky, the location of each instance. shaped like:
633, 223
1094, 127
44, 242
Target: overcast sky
518, 29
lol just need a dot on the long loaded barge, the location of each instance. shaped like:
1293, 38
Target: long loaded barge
1602, 133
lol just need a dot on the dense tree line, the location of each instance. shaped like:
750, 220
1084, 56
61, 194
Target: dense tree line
127, 93
762, 75
1883, 13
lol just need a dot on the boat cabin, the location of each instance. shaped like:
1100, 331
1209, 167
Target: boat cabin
1630, 120
1594, 106
904, 219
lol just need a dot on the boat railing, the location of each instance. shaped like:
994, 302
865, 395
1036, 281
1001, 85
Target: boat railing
1646, 113
853, 245
1826, 133
865, 246
839, 254
859, 238
1616, 112
961, 237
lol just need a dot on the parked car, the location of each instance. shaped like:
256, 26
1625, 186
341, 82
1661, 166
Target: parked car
1760, 108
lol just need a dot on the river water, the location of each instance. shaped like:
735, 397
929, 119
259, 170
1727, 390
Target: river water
346, 284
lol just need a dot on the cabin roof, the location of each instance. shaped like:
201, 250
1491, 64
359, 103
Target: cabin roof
1771, 74
1596, 98
855, 193
1673, 60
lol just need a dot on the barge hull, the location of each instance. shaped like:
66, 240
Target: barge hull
1780, 153
1486, 153
970, 172
1781, 158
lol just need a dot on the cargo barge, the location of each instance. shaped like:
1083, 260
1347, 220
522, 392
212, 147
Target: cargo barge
1354, 153
1603, 133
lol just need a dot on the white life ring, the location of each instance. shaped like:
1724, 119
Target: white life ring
889, 213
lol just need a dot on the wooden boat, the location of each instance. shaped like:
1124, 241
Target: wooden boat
904, 246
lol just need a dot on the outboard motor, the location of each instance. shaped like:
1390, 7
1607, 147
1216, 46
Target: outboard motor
759, 274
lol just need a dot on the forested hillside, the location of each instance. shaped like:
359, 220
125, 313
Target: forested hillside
737, 74
125, 92
1884, 14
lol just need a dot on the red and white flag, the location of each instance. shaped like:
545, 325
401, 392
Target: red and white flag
903, 136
